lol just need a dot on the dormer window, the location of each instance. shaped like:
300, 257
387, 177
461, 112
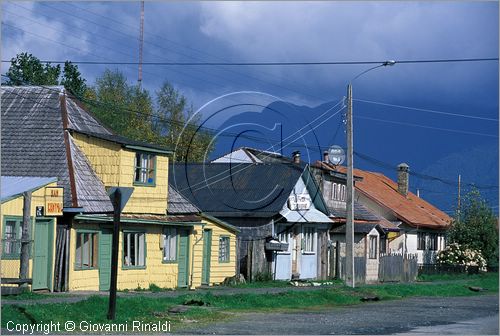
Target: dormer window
145, 169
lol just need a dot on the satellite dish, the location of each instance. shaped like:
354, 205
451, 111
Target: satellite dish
336, 155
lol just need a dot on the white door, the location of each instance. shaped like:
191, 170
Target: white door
283, 261
309, 248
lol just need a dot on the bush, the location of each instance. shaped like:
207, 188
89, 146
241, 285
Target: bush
263, 276
456, 254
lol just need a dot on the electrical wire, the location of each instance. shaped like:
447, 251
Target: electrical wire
427, 127
426, 110
271, 63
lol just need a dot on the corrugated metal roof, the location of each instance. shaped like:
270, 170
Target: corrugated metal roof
251, 190
13, 186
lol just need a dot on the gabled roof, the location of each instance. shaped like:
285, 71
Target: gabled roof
14, 186
411, 209
236, 190
36, 142
178, 204
362, 228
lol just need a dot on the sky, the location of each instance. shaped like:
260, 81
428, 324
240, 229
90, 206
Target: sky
304, 31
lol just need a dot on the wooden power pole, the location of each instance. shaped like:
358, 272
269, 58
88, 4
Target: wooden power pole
117, 200
25, 238
349, 227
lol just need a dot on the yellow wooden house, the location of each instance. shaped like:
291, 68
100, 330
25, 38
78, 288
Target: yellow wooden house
44, 206
164, 240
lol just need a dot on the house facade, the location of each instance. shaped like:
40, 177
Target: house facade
422, 226
177, 247
45, 206
272, 205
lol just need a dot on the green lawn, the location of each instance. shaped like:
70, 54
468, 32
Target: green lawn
150, 309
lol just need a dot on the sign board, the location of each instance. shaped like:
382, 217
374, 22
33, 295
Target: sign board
299, 202
54, 201
126, 193
336, 155
39, 211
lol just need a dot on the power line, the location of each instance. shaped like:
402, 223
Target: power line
168, 49
271, 63
426, 110
427, 127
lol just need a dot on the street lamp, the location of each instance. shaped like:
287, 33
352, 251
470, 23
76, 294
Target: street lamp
349, 230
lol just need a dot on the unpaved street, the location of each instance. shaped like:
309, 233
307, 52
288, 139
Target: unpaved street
425, 315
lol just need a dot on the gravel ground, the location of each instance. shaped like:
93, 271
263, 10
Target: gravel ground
423, 315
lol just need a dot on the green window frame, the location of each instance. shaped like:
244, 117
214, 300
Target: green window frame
134, 249
170, 245
11, 237
145, 169
224, 249
86, 250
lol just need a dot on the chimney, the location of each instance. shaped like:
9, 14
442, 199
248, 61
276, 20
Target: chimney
325, 156
296, 157
403, 178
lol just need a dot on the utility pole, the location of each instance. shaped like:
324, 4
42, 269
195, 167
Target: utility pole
458, 201
141, 43
117, 200
25, 238
349, 228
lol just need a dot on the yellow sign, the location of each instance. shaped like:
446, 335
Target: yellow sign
54, 201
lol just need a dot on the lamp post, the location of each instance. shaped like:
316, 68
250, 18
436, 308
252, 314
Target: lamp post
349, 230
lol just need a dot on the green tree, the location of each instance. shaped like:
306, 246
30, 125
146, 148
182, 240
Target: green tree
72, 79
475, 227
126, 109
26, 69
179, 126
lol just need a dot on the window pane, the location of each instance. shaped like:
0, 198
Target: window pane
223, 249
170, 244
86, 250
9, 236
78, 254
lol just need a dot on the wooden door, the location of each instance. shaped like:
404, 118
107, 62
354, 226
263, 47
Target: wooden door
183, 258
42, 258
207, 255
105, 244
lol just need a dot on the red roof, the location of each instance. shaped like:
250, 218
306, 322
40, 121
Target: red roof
411, 209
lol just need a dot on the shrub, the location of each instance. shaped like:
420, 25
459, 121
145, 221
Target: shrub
456, 254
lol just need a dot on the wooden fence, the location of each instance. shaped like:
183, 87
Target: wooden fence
430, 269
397, 267
359, 269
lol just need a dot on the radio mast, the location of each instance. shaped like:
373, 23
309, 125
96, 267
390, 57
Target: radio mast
141, 43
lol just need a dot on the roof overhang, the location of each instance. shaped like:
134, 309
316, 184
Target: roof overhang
136, 220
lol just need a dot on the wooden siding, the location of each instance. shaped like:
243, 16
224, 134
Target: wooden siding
115, 167
218, 270
157, 272
14, 207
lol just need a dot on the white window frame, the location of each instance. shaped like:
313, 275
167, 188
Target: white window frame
308, 238
169, 244
132, 240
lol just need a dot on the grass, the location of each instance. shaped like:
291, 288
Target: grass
151, 309
26, 296
451, 277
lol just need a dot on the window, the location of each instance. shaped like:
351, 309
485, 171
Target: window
373, 247
342, 193
383, 245
11, 238
12, 233
433, 241
308, 241
334, 191
170, 245
134, 249
145, 169
427, 241
420, 240
223, 249
282, 233
86, 250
